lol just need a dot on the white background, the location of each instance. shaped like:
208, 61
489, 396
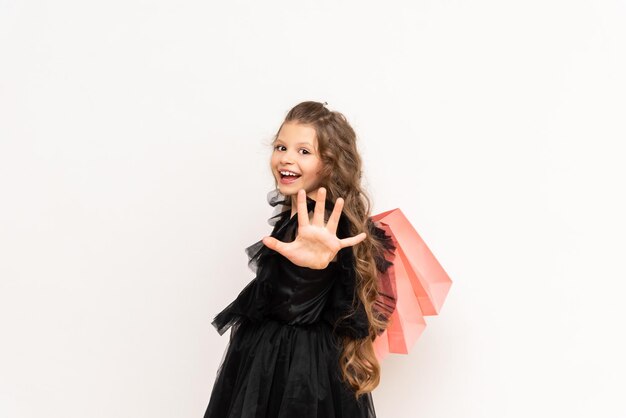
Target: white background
134, 171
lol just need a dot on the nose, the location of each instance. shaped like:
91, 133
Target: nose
286, 158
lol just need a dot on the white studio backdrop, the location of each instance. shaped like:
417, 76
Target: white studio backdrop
134, 171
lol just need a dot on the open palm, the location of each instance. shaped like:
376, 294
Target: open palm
316, 244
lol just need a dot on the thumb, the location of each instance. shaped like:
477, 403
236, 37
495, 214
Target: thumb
348, 242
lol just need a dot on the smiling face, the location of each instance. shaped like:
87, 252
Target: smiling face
295, 160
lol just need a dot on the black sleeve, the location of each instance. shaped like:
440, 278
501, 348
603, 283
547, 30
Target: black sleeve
345, 310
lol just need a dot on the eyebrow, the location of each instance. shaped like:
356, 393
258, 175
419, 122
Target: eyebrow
299, 143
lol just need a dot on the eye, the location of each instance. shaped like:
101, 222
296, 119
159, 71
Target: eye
280, 148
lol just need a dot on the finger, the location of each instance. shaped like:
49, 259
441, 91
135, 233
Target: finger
320, 205
333, 221
348, 242
303, 213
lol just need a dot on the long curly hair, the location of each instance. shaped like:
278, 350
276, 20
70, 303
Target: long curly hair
341, 176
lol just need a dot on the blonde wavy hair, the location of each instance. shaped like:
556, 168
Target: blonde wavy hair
341, 176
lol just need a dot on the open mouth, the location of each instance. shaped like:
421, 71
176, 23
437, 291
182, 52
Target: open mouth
288, 174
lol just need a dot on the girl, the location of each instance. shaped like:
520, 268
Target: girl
302, 329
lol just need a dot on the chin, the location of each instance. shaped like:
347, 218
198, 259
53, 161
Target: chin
287, 191
290, 189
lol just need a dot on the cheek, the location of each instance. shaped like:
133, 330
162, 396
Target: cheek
319, 166
311, 168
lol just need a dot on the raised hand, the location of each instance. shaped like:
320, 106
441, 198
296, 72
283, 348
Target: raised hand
316, 244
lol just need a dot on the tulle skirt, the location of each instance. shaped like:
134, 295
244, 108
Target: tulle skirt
274, 370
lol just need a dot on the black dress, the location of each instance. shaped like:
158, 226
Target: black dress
282, 359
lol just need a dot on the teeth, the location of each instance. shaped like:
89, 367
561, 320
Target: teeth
288, 173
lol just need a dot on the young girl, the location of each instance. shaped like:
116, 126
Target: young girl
302, 329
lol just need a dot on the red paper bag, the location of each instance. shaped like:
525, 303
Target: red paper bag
420, 282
